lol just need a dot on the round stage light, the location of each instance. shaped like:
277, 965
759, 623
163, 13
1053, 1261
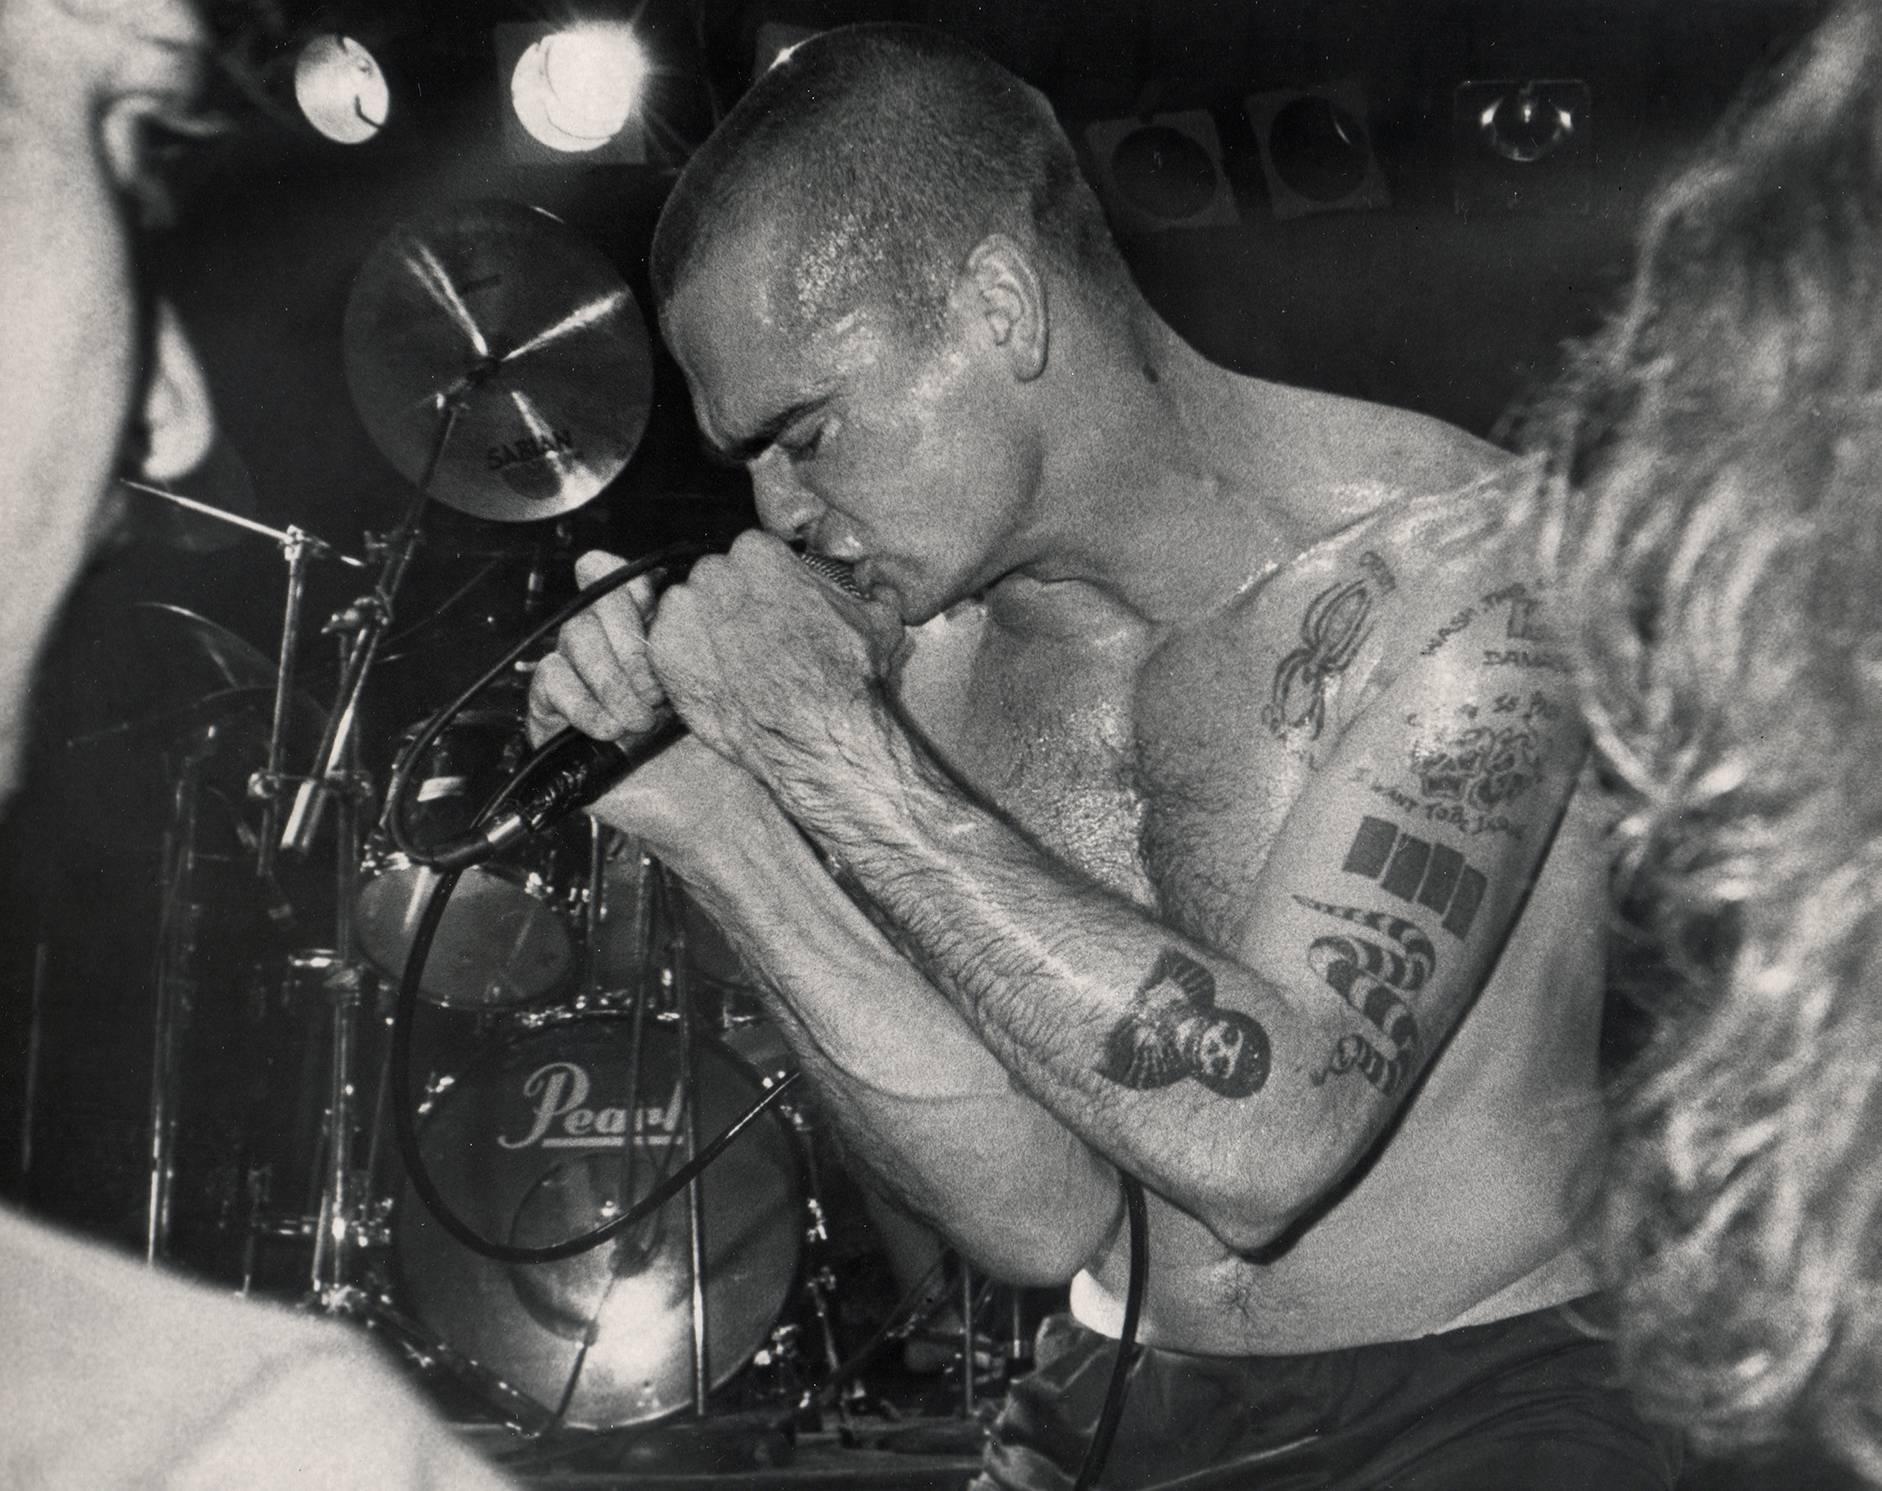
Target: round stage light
1319, 148
574, 90
341, 90
1163, 172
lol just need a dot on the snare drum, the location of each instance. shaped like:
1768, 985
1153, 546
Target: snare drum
552, 1136
508, 934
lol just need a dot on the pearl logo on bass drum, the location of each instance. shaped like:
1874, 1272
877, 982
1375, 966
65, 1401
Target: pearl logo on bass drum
561, 1118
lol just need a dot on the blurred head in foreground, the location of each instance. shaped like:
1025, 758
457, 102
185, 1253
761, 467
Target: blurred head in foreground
1712, 503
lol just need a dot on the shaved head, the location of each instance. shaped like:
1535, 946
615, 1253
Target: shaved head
878, 156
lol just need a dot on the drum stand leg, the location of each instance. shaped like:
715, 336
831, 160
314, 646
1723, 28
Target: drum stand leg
820, 1284
675, 971
967, 1339
328, 1270
341, 1221
176, 953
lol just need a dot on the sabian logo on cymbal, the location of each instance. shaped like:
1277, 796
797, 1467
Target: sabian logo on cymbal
562, 1119
556, 444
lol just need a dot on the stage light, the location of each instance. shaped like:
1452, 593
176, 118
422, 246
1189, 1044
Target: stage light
774, 43
1162, 171
341, 89
1316, 153
576, 90
1523, 145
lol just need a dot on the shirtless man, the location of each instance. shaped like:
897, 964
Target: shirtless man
1201, 776
118, 1375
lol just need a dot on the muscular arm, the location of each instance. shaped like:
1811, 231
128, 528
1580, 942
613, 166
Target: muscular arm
1239, 1083
918, 1100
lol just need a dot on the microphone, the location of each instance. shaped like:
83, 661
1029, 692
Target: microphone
570, 770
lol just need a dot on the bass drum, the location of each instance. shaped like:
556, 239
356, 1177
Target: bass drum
553, 1136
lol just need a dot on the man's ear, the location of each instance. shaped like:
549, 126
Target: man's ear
1000, 287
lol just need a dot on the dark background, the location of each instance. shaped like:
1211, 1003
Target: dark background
1457, 313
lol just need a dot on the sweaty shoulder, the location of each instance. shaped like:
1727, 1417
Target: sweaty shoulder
1348, 616
1413, 453
1448, 552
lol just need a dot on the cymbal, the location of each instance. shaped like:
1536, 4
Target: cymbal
190, 672
233, 660
522, 324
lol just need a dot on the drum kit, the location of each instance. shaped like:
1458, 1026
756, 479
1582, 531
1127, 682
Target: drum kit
502, 367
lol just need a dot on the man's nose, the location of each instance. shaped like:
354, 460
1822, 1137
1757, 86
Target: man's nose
179, 423
785, 506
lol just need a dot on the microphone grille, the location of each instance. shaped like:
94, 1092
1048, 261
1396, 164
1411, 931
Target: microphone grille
835, 572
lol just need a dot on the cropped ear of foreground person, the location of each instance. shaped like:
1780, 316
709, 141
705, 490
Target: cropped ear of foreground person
1192, 795
116, 1375
1711, 508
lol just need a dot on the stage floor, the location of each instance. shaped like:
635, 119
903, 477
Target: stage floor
729, 1453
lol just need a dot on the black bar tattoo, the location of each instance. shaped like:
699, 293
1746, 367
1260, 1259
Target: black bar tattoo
1431, 875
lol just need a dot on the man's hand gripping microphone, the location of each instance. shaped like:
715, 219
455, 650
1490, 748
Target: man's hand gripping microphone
570, 770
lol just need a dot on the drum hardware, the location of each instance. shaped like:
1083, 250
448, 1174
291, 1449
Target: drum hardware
695, 1195
244, 668
175, 991
456, 323
440, 806
842, 1386
286, 537
360, 626
335, 1232
508, 937
601, 1296
374, 1310
608, 1335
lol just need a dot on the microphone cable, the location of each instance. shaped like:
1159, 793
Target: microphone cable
1098, 1449
431, 916
405, 1126
398, 786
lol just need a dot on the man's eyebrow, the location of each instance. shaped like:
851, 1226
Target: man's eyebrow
748, 447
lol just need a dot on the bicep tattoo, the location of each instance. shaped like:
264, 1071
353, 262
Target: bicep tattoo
1175, 1029
1377, 981
1337, 623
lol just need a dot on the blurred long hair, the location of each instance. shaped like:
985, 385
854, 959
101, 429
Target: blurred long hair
1710, 499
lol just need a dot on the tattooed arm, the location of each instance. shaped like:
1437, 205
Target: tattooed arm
1239, 1084
917, 1099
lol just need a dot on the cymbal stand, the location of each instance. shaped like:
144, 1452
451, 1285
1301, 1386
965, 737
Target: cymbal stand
294, 549
675, 971
346, 978
176, 954
364, 622
360, 628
